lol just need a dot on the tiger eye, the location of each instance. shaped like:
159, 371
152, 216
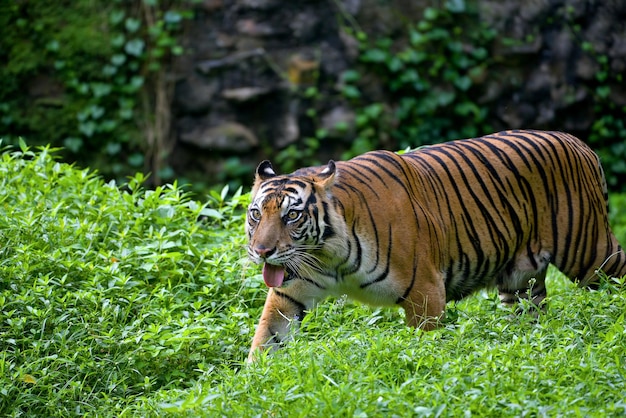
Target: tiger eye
292, 215
255, 214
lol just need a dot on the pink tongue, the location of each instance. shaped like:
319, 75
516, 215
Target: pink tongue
273, 275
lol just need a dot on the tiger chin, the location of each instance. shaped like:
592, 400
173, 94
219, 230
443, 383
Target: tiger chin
430, 226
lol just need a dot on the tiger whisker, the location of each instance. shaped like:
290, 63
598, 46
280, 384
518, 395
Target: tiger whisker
303, 263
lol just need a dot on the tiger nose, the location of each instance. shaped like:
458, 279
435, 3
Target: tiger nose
264, 251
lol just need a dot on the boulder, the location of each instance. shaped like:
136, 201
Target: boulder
229, 137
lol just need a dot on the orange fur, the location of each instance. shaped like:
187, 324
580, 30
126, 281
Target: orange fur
433, 225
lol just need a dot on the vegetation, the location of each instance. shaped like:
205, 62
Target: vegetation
122, 301
94, 78
608, 133
431, 81
434, 79
91, 76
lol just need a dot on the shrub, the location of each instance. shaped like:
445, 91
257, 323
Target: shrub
110, 293
432, 82
90, 76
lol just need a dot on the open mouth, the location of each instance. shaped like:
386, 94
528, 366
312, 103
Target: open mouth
275, 276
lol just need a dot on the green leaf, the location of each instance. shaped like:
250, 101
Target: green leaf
374, 110
135, 47
395, 64
374, 55
444, 98
132, 25
113, 148
172, 17
350, 76
456, 6
224, 193
96, 111
73, 144
463, 82
118, 40
351, 92
87, 128
480, 53
211, 213
603, 91
136, 159
118, 59
166, 211
116, 16
53, 45
22, 145
430, 13
416, 37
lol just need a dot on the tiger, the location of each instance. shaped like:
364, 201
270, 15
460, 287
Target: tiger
433, 225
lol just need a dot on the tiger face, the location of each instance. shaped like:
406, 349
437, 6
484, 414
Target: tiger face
288, 222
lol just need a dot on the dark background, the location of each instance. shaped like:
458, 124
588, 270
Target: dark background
201, 91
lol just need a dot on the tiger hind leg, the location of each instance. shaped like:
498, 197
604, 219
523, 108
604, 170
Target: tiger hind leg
525, 280
534, 291
610, 261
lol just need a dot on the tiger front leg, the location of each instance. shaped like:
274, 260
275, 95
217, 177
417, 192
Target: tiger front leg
280, 313
424, 306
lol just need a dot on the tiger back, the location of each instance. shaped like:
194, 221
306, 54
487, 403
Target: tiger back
429, 226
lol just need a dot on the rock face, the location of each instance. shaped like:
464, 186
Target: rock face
262, 75
549, 78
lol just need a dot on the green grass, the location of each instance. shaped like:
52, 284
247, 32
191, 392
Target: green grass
119, 301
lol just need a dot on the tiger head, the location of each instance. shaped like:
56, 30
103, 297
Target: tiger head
290, 221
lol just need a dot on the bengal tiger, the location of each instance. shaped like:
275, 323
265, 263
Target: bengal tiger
430, 226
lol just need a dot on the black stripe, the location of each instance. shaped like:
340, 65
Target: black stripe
366, 208
349, 189
385, 273
313, 282
530, 151
374, 159
412, 284
293, 190
311, 202
564, 181
483, 265
299, 183
547, 151
329, 231
488, 212
356, 264
469, 230
506, 196
361, 167
299, 305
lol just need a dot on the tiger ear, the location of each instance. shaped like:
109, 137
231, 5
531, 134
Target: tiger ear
265, 171
327, 175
